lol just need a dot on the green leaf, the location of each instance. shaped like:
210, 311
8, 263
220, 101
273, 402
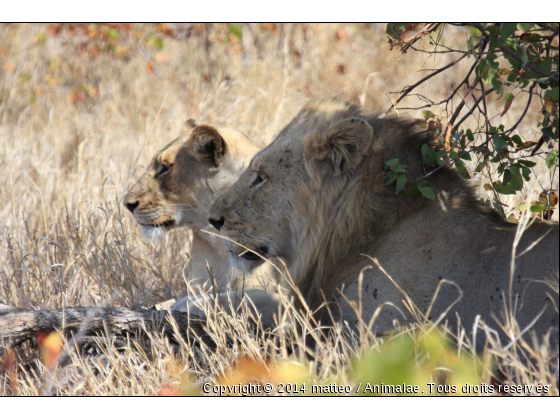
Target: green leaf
527, 163
552, 159
512, 181
524, 27
502, 189
481, 69
41, 39
427, 192
112, 33
470, 134
507, 30
533, 38
480, 166
509, 100
497, 83
401, 182
470, 45
158, 44
545, 65
428, 114
552, 94
507, 177
462, 169
493, 29
236, 31
511, 219
526, 173
516, 181
392, 176
498, 208
495, 42
499, 143
396, 29
413, 191
392, 162
428, 155
536, 208
523, 54
511, 44
517, 140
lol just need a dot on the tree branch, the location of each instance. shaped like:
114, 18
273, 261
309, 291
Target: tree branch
515, 56
409, 89
529, 65
525, 110
486, 92
18, 325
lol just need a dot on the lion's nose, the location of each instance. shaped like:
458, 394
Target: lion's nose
217, 223
131, 205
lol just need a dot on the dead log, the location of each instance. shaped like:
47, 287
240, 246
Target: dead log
19, 325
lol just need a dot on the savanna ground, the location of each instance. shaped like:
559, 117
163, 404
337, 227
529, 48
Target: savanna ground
82, 110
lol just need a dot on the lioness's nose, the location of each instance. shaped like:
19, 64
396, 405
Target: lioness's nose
217, 223
131, 205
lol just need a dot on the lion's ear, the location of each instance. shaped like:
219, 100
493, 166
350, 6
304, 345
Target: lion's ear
188, 125
206, 144
338, 150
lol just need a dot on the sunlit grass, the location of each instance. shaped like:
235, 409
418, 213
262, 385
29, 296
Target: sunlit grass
80, 120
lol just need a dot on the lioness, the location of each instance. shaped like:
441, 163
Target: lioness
318, 198
178, 188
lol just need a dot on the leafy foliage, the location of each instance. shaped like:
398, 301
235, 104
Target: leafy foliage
506, 60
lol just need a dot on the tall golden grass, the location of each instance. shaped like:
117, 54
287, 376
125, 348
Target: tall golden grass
82, 110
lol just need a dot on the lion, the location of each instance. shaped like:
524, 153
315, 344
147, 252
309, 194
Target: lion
177, 189
318, 198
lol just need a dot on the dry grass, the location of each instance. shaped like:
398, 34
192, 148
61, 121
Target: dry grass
77, 127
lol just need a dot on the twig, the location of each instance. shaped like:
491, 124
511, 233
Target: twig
525, 111
486, 92
410, 41
409, 89
515, 56
529, 65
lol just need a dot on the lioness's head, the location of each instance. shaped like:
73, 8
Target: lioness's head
183, 178
296, 179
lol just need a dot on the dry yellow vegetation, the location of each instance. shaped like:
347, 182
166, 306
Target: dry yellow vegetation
82, 110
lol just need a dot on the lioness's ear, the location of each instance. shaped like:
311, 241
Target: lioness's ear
338, 150
188, 125
206, 144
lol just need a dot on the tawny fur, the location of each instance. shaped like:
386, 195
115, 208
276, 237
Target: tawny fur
317, 197
202, 163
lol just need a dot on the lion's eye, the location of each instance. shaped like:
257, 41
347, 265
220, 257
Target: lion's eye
164, 170
260, 178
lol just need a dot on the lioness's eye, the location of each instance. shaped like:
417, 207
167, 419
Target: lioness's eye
258, 180
164, 170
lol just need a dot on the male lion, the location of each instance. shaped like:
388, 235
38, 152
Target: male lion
178, 188
318, 198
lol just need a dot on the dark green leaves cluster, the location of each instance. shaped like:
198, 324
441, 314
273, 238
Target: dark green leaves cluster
507, 59
398, 173
532, 58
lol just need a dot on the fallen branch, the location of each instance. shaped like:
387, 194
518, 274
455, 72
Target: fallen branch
19, 325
